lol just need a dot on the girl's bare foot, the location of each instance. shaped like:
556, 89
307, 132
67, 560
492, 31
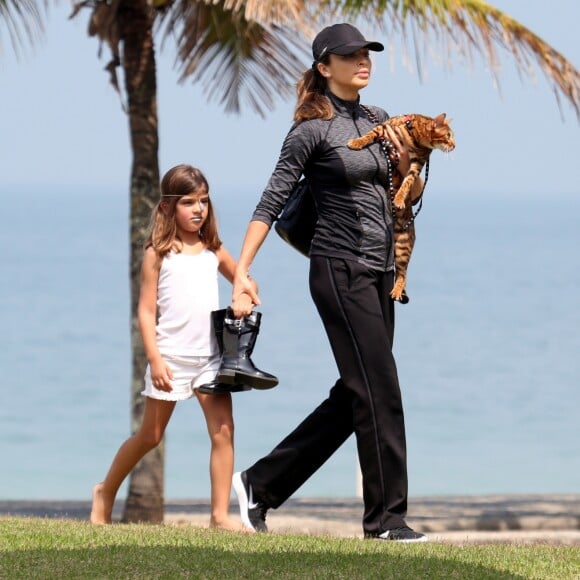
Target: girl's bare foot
101, 509
227, 524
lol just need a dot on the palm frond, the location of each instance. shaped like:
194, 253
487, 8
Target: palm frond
236, 60
23, 20
266, 11
104, 23
466, 27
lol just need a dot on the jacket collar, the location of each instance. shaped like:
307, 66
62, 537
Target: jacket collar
344, 108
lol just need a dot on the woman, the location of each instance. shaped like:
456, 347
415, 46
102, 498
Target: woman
351, 275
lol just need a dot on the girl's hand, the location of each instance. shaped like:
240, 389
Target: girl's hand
161, 375
242, 305
399, 153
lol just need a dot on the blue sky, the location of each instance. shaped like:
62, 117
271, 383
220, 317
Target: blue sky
61, 125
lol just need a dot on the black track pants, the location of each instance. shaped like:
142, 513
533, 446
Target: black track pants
358, 316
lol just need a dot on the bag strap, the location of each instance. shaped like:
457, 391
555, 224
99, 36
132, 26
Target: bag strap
386, 146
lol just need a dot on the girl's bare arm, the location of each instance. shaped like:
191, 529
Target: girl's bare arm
147, 313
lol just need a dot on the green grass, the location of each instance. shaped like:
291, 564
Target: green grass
48, 548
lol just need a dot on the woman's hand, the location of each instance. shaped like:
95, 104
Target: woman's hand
161, 375
398, 152
402, 161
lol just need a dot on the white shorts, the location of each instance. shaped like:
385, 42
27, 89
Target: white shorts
189, 372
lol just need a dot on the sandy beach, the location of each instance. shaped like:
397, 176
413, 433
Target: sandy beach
552, 519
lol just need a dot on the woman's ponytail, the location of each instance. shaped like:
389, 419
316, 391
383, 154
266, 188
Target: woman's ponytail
312, 102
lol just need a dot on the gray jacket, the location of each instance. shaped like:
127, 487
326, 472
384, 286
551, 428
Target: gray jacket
349, 187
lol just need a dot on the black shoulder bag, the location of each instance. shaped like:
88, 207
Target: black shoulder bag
296, 223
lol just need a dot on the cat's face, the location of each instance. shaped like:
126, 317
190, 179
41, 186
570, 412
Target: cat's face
442, 136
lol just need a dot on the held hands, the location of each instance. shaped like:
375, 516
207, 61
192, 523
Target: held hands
244, 294
242, 305
161, 375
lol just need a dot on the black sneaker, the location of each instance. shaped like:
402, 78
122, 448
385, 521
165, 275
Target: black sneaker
404, 534
253, 513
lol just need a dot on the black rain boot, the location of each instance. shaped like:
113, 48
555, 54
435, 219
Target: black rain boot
239, 338
216, 387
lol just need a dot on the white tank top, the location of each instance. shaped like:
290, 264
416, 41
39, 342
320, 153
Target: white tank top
187, 292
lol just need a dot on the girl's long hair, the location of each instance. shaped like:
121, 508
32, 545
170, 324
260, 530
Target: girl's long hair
163, 236
312, 102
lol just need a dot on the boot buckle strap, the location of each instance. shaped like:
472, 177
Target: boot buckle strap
237, 322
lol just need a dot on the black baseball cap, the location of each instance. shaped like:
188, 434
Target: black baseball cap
341, 39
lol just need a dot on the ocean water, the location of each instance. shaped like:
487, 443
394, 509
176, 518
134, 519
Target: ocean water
488, 350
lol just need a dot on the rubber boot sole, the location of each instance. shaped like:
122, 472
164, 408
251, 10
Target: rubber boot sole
231, 377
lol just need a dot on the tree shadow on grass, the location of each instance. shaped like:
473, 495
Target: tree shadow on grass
182, 561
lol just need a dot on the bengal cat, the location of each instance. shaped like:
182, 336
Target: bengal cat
420, 135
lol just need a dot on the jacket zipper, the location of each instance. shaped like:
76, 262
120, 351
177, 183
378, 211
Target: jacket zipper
375, 178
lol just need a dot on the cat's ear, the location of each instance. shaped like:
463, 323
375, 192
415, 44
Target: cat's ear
440, 119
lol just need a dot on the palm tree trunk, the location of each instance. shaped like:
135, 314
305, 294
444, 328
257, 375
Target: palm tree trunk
135, 17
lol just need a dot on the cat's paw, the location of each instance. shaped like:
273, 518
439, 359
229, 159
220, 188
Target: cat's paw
399, 201
398, 292
355, 144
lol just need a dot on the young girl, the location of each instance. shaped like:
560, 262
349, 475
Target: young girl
179, 284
